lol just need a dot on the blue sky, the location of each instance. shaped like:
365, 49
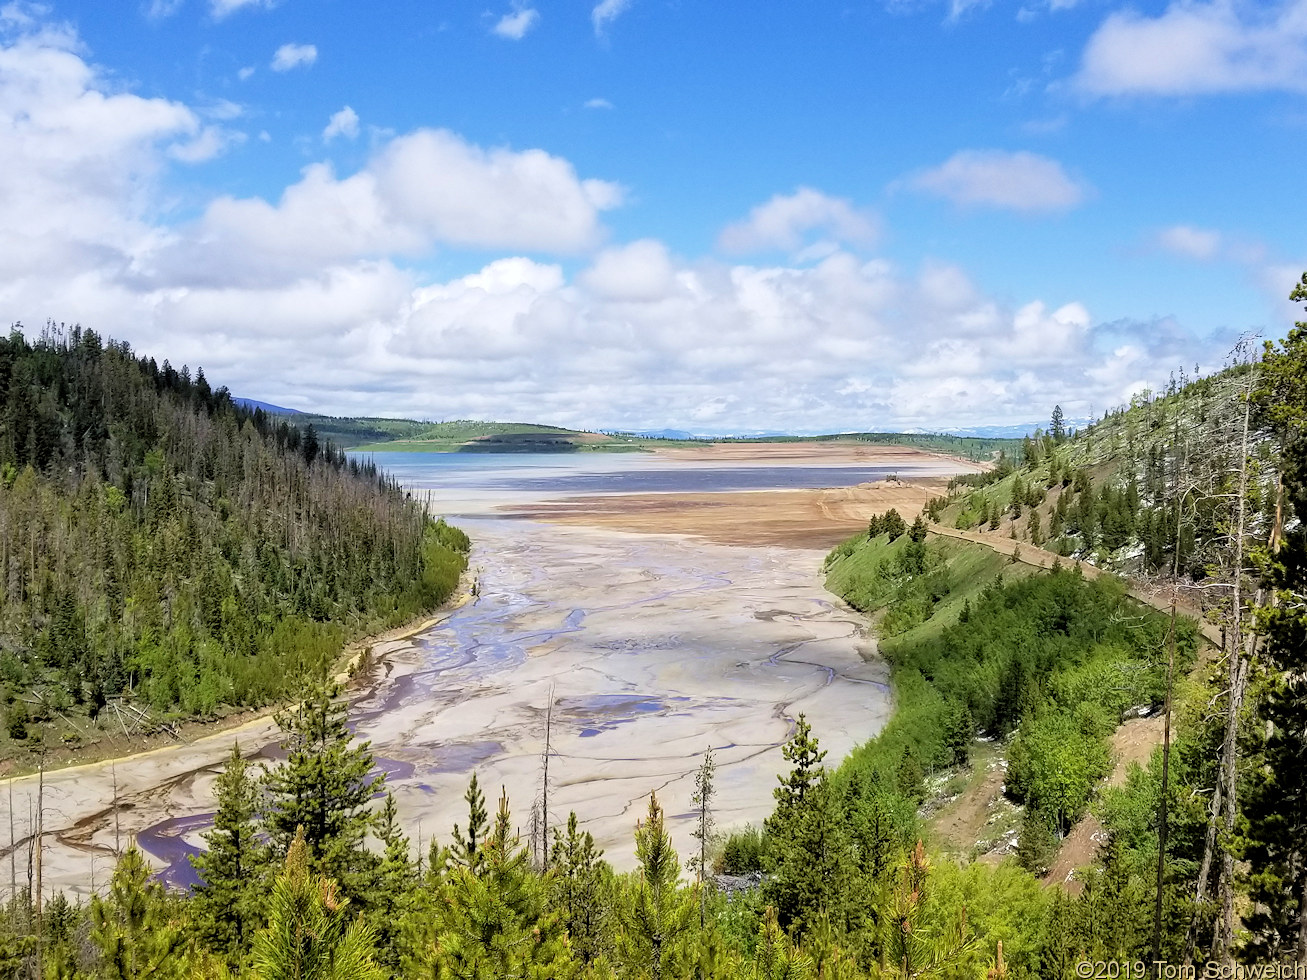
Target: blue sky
642, 213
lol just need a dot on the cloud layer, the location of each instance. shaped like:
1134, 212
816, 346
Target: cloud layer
291, 56
306, 300
1199, 48
997, 179
785, 222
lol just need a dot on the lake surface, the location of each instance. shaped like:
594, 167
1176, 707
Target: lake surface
474, 484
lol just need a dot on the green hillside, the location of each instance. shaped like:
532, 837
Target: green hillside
1143, 490
167, 549
406, 435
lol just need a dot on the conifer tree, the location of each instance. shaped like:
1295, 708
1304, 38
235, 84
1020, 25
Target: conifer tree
658, 916
806, 854
917, 533
490, 923
131, 926
324, 787
959, 730
1277, 809
703, 829
893, 524
775, 957
311, 933
578, 891
805, 755
914, 948
392, 885
225, 904
468, 849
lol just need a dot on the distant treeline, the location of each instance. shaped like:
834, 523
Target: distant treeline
981, 449
159, 540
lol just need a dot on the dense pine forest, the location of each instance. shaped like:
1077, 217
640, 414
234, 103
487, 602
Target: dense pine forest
160, 544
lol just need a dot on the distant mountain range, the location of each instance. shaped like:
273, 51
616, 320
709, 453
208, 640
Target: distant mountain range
271, 409
1015, 431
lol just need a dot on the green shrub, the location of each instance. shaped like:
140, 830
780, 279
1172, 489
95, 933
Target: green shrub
744, 851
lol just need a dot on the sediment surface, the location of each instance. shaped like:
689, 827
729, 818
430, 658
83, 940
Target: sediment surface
655, 647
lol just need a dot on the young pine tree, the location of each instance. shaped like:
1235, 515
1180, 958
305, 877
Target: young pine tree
392, 885
579, 891
324, 787
658, 915
490, 923
226, 903
311, 933
132, 926
805, 755
468, 849
806, 844
917, 533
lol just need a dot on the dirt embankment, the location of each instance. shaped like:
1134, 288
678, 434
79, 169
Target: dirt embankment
1132, 743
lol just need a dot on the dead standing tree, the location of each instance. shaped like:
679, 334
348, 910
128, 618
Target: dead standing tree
1229, 440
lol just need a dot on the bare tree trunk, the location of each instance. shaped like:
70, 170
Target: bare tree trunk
40, 847
1302, 924
31, 845
41, 830
117, 842
1200, 894
1237, 667
13, 858
1166, 780
544, 795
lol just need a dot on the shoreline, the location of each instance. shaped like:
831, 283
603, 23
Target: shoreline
355, 658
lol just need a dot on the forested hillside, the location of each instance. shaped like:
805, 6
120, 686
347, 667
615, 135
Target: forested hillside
1147, 488
160, 543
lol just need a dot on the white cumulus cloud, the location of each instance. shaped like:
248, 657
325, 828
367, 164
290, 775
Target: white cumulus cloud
1196, 47
639, 272
516, 24
419, 191
222, 8
605, 12
75, 152
290, 56
208, 143
1190, 242
785, 220
343, 123
1018, 181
